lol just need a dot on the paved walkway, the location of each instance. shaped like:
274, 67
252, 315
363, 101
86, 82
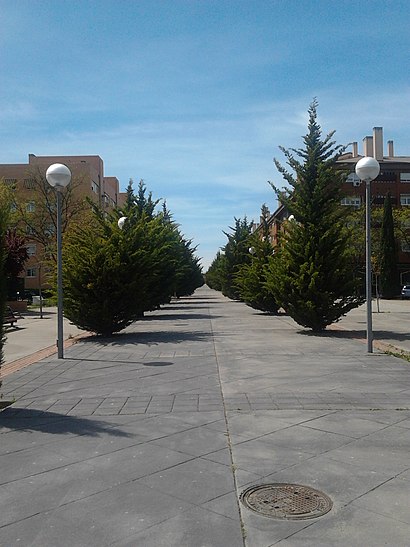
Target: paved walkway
34, 337
147, 439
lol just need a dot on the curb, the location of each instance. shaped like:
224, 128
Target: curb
384, 347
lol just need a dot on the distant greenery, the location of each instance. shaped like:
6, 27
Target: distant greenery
112, 275
389, 275
251, 277
16, 258
222, 273
390, 228
215, 272
4, 220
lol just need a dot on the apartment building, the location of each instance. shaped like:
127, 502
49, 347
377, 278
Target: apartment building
394, 177
88, 181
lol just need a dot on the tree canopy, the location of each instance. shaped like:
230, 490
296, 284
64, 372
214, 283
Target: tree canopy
113, 275
311, 276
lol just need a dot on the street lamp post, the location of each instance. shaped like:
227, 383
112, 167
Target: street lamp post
367, 169
59, 176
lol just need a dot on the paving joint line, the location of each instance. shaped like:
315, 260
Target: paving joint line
18, 364
228, 438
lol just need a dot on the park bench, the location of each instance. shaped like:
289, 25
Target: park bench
10, 316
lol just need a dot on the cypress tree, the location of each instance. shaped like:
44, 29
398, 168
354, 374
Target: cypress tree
236, 254
311, 275
251, 278
112, 275
5, 200
214, 274
389, 277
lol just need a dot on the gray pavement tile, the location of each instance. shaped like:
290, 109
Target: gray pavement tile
44, 492
300, 437
388, 455
404, 423
349, 526
196, 481
138, 461
118, 512
195, 441
258, 423
342, 481
85, 447
57, 430
390, 499
245, 478
44, 530
184, 408
154, 427
219, 456
346, 423
309, 418
264, 532
405, 475
205, 407
29, 462
227, 505
197, 527
263, 458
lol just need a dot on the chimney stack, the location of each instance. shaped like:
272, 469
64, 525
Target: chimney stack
378, 143
390, 149
368, 146
355, 149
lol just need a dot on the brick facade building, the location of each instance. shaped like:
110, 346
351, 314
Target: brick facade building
90, 181
394, 178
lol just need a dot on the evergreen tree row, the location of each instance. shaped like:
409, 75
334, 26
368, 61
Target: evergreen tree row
311, 273
113, 274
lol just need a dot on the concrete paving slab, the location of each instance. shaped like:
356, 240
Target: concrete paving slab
198, 526
138, 439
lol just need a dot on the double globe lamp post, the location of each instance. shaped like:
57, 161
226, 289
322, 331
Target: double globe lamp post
367, 169
59, 176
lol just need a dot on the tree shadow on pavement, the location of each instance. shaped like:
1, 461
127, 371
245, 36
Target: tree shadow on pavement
195, 301
377, 334
149, 338
173, 307
26, 419
177, 316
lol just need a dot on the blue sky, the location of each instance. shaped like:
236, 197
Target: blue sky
196, 96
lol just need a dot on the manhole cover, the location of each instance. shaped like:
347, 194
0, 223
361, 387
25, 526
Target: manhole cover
286, 501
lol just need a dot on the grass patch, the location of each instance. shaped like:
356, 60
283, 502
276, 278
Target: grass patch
400, 354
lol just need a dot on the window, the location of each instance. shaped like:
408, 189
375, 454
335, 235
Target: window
29, 183
387, 176
49, 230
95, 188
30, 207
404, 199
10, 182
13, 208
31, 249
405, 246
30, 230
31, 272
354, 201
404, 177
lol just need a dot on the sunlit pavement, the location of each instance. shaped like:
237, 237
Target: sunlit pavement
149, 438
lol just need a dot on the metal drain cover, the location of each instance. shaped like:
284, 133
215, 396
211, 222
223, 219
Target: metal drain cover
286, 501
